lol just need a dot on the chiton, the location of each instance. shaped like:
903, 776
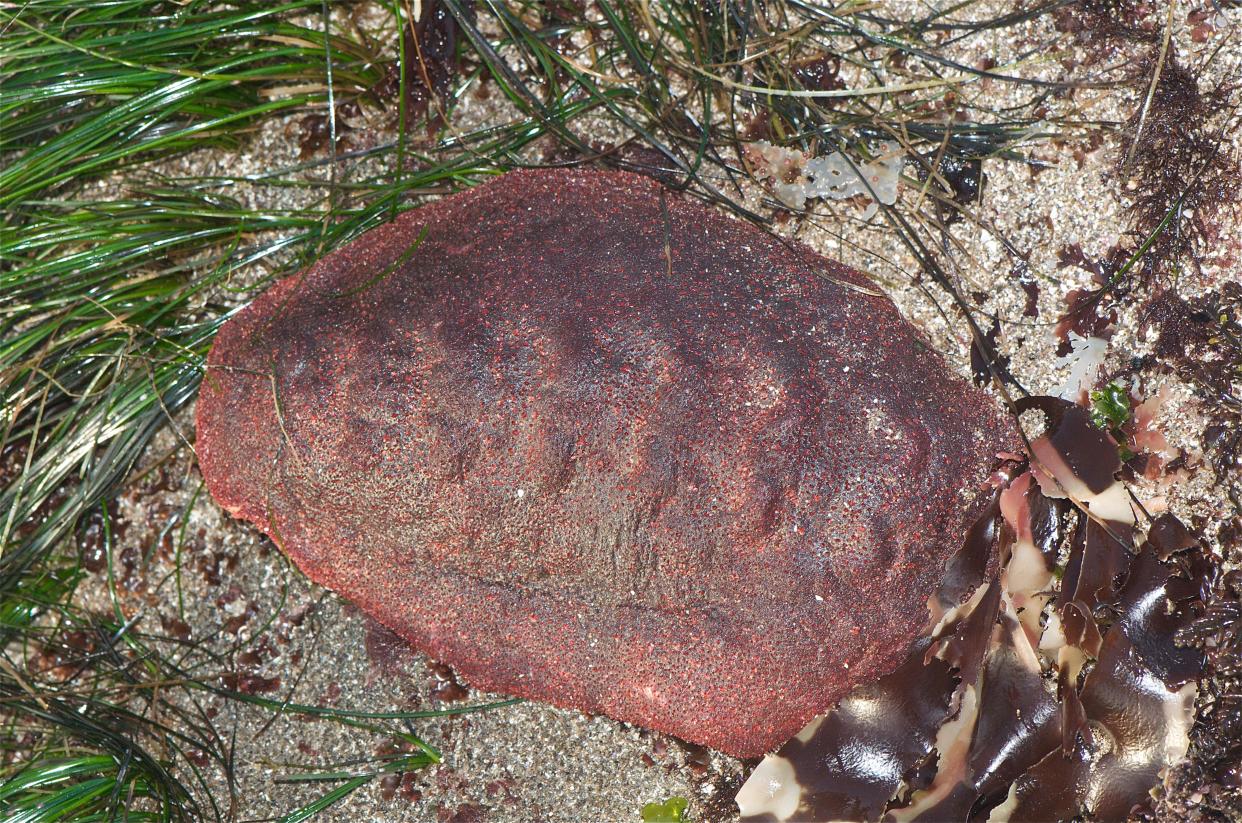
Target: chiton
594, 443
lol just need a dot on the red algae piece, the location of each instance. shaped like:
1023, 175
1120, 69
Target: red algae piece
590, 442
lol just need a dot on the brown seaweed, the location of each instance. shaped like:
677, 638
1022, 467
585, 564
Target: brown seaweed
849, 764
1013, 746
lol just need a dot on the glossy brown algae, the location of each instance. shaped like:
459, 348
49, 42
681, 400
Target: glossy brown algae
594, 443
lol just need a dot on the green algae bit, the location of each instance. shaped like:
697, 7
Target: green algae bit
1110, 406
1110, 410
670, 811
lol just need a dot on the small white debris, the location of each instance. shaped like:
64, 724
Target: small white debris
1085, 360
832, 176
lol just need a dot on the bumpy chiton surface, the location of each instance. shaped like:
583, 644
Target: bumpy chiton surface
596, 444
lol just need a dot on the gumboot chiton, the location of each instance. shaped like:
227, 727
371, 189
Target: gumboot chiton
596, 444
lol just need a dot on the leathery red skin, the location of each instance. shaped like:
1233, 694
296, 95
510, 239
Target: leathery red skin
596, 444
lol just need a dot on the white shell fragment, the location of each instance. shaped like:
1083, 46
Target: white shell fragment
1085, 360
795, 179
